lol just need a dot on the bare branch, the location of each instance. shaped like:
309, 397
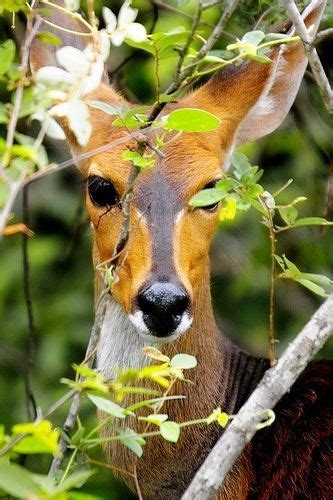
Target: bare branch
275, 383
171, 8
75, 406
324, 34
32, 339
315, 63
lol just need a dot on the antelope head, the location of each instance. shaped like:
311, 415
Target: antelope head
166, 259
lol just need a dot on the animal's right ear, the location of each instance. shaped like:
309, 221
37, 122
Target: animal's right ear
71, 31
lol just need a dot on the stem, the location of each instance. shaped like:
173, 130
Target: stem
69, 465
272, 357
72, 32
271, 333
32, 338
74, 15
136, 482
75, 406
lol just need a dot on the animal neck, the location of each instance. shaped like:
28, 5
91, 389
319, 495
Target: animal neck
225, 373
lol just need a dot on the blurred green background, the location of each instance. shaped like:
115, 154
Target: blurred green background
61, 270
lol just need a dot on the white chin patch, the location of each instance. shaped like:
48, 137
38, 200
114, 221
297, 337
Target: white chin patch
140, 325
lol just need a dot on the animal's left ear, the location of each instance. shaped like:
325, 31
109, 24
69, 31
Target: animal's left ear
254, 98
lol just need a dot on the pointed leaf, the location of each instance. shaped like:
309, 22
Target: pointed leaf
192, 120
108, 406
170, 431
183, 361
318, 290
17, 481
207, 197
313, 221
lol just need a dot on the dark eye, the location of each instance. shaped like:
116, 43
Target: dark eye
210, 208
102, 192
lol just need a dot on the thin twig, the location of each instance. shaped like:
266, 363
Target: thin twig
271, 334
323, 34
184, 52
15, 187
136, 482
171, 8
32, 339
276, 382
9, 446
75, 406
315, 63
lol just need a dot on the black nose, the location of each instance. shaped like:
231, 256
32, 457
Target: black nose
162, 305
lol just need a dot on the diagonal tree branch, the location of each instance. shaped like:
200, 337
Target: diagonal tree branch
275, 383
315, 63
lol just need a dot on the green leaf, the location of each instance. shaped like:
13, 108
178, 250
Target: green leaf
155, 418
50, 38
192, 120
318, 278
106, 108
145, 45
289, 214
207, 197
280, 261
313, 221
7, 54
183, 361
154, 353
31, 445
4, 118
42, 158
170, 431
108, 406
253, 37
241, 164
132, 441
259, 58
152, 402
138, 160
78, 495
271, 37
17, 481
291, 266
75, 480
318, 290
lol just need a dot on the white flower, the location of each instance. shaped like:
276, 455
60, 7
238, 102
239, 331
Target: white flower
81, 73
53, 128
124, 27
77, 114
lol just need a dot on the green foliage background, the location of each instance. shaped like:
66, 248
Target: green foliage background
61, 270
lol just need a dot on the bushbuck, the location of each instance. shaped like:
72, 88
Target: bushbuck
162, 293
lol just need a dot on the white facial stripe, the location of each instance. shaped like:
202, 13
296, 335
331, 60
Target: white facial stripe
123, 338
179, 215
138, 322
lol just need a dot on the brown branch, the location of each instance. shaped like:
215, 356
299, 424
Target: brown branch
32, 340
276, 382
